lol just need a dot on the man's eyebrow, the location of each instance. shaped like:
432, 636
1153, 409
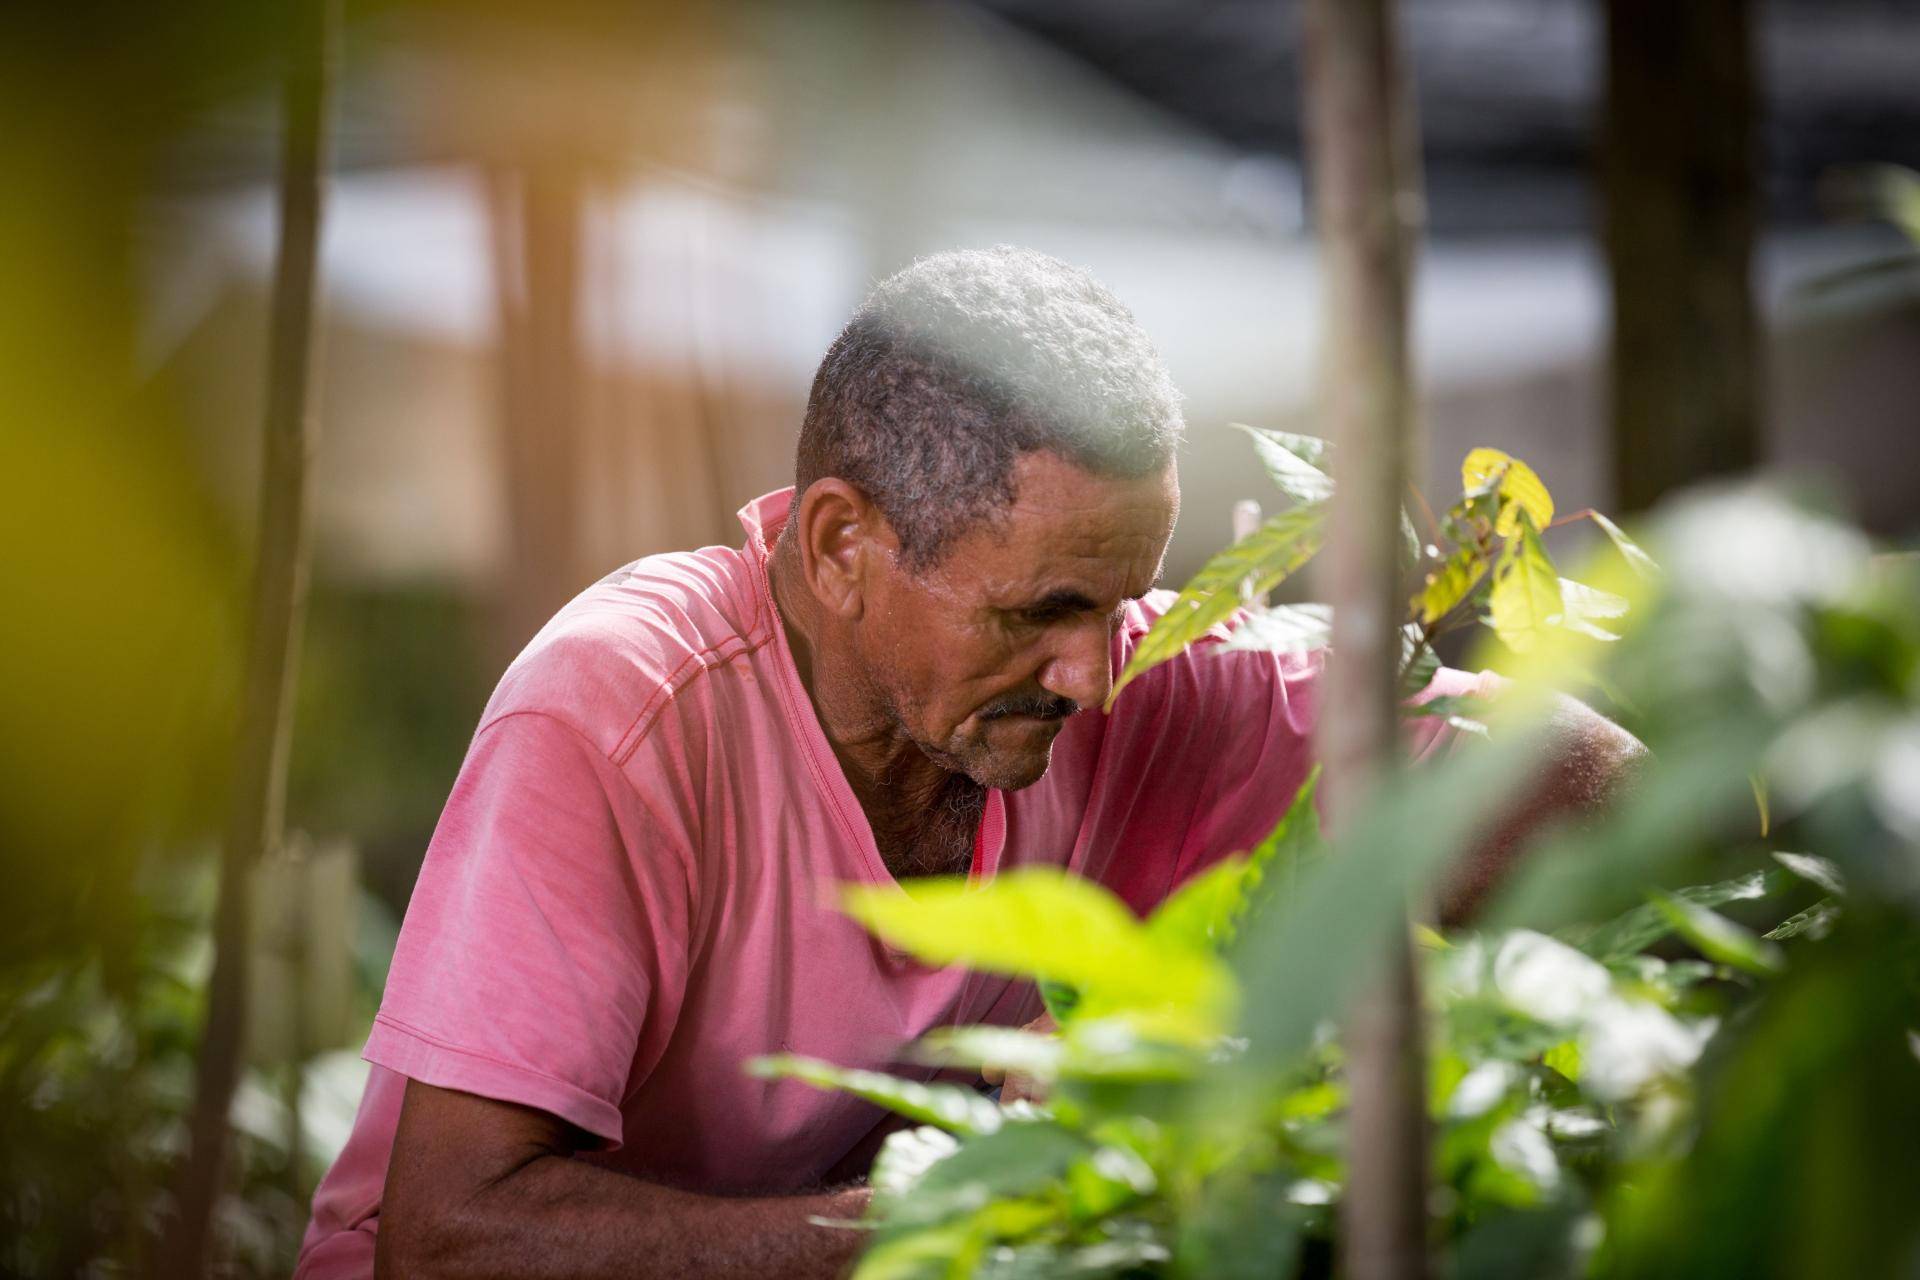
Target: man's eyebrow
1060, 600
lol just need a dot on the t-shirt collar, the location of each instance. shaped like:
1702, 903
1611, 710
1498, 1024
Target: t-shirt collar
763, 518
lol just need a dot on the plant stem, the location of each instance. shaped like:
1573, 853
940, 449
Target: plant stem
1360, 143
255, 819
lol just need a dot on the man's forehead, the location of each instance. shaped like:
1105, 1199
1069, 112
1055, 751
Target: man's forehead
1094, 535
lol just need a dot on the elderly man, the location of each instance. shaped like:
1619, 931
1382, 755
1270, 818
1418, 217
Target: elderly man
899, 673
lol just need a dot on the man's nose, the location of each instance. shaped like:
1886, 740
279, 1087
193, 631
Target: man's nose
1081, 667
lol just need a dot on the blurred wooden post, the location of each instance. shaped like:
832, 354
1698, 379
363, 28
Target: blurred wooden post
1367, 208
1679, 188
256, 815
535, 220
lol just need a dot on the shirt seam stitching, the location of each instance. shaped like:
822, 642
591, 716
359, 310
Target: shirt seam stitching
408, 1029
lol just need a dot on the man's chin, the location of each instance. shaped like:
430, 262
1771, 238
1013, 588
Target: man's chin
1010, 771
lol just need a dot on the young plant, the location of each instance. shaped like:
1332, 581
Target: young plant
1611, 1098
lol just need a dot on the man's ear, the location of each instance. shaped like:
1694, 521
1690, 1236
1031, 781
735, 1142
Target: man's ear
843, 539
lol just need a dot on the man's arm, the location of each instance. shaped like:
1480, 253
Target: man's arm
479, 1188
1588, 758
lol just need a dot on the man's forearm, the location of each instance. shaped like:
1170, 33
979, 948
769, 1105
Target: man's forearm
555, 1216
1588, 759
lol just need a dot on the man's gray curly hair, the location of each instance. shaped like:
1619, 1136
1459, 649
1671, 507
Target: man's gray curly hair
954, 367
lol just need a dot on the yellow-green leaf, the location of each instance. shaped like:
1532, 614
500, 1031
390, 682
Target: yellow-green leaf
1045, 923
1520, 489
1526, 591
1451, 583
1261, 561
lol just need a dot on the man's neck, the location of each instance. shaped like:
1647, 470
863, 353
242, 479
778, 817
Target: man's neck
923, 816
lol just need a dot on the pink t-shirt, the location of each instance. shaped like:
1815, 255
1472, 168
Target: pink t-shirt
624, 899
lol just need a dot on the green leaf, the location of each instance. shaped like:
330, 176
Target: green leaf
1813, 924
1305, 952
904, 1159
1045, 923
1819, 871
1520, 490
1582, 605
1296, 463
1451, 583
947, 1106
1526, 591
1631, 933
1637, 560
1060, 999
1003, 1048
1719, 938
1564, 1058
1258, 563
1418, 662
1284, 628
1013, 1160
1294, 845
1203, 910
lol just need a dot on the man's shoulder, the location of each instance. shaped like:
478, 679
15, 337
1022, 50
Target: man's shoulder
618, 653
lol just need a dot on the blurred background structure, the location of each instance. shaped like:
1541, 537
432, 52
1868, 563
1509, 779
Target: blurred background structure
578, 263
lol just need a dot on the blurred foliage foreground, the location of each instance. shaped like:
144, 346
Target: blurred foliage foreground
1716, 1080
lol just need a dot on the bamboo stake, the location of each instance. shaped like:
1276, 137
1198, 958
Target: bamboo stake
1367, 209
256, 816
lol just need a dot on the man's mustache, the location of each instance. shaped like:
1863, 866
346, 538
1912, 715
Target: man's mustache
1039, 705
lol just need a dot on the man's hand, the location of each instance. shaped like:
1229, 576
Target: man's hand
1015, 1086
479, 1188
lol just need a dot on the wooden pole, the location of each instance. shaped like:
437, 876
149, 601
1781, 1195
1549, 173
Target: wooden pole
1679, 185
256, 816
1367, 205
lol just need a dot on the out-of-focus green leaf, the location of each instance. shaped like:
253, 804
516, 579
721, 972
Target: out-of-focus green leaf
1292, 847
1546, 979
1581, 605
1042, 922
1813, 924
1257, 563
1297, 463
947, 1106
1244, 1229
1802, 1164
1283, 628
1719, 938
1012, 1160
1564, 1058
1636, 930
905, 1157
1203, 910
1306, 954
1521, 491
1001, 1048
1639, 561
1060, 999
1816, 870
1580, 872
1525, 599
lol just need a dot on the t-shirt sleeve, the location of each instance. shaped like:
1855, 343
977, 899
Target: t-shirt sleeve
549, 923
